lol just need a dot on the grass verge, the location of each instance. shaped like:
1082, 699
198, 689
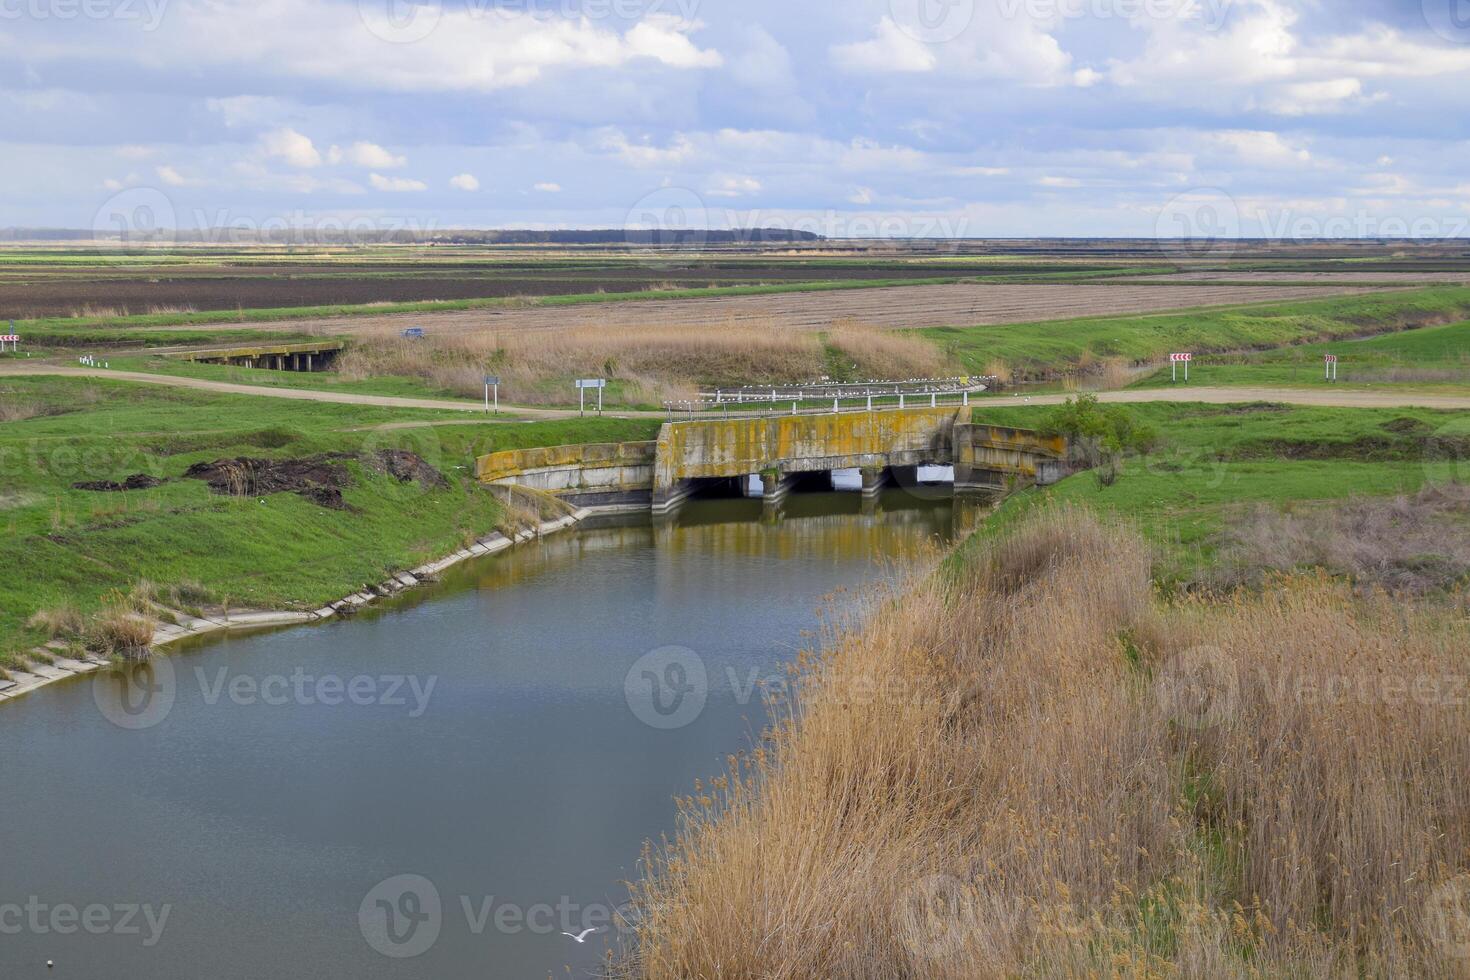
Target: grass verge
1047, 350
70, 549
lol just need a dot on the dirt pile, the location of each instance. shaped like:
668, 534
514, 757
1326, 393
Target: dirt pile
138, 481
320, 479
406, 467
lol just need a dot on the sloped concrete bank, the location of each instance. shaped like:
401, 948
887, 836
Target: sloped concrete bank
62, 667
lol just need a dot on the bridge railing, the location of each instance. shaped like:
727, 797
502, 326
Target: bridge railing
814, 399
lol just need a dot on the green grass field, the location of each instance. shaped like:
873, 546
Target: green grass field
1042, 350
1427, 358
62, 545
1215, 460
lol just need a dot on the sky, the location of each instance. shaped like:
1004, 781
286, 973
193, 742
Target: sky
850, 118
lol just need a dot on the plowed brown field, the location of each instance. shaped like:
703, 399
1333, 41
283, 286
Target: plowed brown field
961, 304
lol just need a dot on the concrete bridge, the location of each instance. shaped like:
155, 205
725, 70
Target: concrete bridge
690, 455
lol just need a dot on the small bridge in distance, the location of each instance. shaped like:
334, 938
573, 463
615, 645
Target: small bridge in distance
883, 446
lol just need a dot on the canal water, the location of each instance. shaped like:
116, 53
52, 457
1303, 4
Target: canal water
436, 789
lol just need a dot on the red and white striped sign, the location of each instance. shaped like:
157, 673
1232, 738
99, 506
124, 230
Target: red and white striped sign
1331, 358
10, 338
1181, 358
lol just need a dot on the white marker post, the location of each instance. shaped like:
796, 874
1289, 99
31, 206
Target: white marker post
1176, 360
1331, 367
582, 386
492, 381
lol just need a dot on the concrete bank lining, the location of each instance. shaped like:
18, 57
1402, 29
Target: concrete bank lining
62, 668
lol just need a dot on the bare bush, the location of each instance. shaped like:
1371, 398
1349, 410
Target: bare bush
119, 629
1414, 544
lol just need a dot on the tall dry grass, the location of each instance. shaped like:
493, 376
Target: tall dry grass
653, 363
876, 353
1033, 767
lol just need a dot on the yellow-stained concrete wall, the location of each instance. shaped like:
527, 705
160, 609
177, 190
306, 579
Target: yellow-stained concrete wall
999, 449
614, 466
801, 443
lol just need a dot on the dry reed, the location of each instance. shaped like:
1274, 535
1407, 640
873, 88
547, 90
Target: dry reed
653, 363
1034, 767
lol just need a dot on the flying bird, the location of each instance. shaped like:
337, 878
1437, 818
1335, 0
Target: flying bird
582, 937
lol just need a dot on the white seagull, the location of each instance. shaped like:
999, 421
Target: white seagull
582, 937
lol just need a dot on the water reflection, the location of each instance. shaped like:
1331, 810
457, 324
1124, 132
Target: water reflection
492, 739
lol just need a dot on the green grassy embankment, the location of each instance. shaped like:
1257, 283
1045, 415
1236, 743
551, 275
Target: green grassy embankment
1056, 348
1214, 461
1427, 359
66, 547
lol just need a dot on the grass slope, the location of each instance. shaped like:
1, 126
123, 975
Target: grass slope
61, 545
1041, 350
1214, 460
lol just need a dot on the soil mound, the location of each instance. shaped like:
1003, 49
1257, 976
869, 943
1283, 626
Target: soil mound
407, 467
138, 481
319, 479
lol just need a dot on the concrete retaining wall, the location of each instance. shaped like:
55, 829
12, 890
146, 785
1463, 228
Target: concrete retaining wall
660, 474
991, 457
600, 468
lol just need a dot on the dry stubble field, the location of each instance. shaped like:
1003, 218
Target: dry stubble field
961, 304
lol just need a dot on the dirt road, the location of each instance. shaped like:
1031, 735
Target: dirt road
1215, 396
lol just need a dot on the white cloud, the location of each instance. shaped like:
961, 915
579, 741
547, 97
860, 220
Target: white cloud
1059, 182
1259, 148
734, 185
478, 47
645, 154
1086, 77
1306, 98
170, 176
396, 184
374, 157
291, 146
889, 50
863, 195
546, 187
110, 184
465, 182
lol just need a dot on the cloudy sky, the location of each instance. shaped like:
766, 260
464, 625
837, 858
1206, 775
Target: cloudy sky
847, 117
